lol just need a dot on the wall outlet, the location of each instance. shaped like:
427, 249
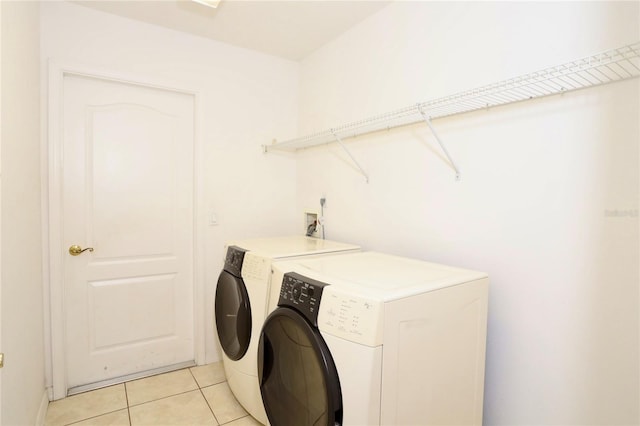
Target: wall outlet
311, 224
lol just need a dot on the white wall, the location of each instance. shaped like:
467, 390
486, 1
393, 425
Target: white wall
23, 385
533, 206
247, 98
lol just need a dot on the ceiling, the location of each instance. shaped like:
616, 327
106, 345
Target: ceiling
291, 29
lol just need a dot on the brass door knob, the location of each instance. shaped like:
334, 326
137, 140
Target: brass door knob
75, 250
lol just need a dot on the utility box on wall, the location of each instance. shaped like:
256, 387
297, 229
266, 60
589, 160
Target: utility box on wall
311, 224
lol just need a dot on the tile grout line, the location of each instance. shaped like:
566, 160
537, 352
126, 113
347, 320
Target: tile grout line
205, 398
164, 397
126, 395
129, 405
234, 420
92, 417
97, 415
167, 396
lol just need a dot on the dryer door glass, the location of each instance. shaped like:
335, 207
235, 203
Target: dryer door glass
233, 315
298, 378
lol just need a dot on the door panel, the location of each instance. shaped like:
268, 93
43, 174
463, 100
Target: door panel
113, 323
128, 194
122, 201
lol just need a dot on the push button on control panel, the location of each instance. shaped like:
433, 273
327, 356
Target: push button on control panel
233, 261
301, 293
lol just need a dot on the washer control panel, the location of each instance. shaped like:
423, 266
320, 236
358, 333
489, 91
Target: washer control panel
234, 259
303, 294
255, 267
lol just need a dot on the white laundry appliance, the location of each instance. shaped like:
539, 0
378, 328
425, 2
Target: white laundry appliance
241, 305
373, 339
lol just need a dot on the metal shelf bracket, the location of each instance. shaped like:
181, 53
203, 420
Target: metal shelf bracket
435, 134
614, 65
335, 135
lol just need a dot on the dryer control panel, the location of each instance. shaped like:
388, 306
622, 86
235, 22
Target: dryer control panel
351, 316
303, 294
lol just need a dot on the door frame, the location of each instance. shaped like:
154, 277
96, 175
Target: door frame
56, 367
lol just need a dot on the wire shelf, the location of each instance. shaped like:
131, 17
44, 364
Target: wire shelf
607, 67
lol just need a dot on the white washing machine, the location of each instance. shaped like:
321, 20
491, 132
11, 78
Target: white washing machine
373, 339
241, 305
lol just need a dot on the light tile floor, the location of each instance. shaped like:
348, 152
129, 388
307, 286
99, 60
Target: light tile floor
192, 396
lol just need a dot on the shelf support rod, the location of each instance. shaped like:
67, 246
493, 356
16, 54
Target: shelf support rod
435, 134
335, 135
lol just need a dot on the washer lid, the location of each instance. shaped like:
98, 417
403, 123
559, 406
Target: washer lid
292, 246
380, 276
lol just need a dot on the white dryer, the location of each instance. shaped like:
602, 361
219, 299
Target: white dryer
374, 339
241, 305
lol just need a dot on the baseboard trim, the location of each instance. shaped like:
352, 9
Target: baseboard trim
134, 376
42, 411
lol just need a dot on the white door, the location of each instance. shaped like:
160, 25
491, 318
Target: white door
128, 184
1, 318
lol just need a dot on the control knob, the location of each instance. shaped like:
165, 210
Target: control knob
296, 292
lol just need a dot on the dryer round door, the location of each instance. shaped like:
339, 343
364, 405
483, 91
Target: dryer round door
298, 378
233, 315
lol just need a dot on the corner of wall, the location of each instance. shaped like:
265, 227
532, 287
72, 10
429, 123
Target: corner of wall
42, 411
